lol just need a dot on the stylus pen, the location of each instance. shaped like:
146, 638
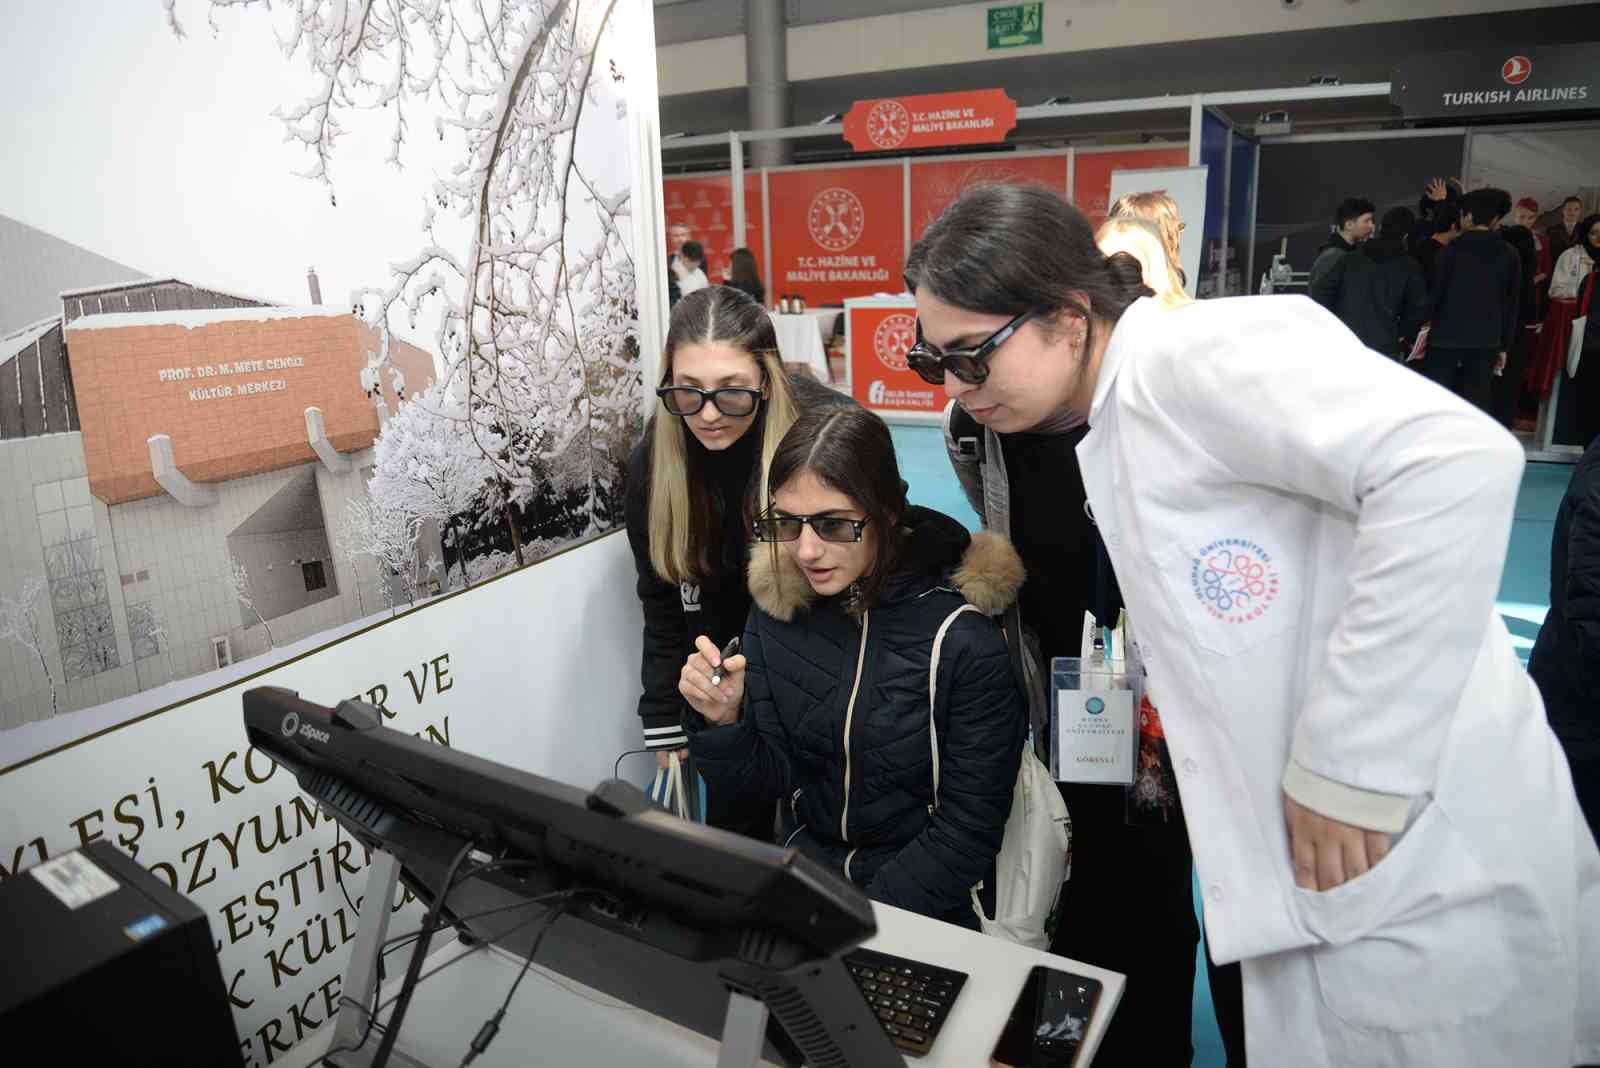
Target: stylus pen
731, 649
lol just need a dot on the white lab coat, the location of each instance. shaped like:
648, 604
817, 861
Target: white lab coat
1309, 538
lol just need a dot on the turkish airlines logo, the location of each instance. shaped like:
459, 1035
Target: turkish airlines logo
1516, 70
893, 339
836, 219
888, 124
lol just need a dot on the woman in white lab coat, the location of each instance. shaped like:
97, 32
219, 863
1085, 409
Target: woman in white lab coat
1309, 541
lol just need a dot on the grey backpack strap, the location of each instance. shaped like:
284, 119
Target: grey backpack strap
964, 443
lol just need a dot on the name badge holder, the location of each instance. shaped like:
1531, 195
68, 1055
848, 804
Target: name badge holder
1092, 719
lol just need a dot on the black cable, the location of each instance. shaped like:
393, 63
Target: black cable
399, 941
338, 875
491, 1026
408, 986
395, 943
616, 769
463, 955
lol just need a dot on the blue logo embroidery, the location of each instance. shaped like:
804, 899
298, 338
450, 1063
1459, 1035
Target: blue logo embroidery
1235, 580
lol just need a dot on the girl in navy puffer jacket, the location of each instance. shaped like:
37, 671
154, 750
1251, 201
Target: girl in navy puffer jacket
827, 710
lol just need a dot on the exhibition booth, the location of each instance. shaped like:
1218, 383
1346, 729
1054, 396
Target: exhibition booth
1259, 191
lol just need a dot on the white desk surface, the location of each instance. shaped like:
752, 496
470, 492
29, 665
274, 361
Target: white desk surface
800, 341
554, 1021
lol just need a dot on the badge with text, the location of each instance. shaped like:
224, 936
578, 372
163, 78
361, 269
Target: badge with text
1091, 709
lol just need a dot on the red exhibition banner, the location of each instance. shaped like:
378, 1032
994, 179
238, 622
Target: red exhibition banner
837, 232
704, 205
937, 120
879, 333
936, 184
1091, 174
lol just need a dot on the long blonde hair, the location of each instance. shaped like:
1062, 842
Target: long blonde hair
1140, 239
684, 518
1162, 210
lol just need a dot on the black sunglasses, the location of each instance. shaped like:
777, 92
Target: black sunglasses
729, 400
828, 527
969, 365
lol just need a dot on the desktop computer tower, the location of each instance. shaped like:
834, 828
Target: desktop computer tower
106, 964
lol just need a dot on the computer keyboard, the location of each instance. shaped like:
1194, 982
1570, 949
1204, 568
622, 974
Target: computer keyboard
912, 999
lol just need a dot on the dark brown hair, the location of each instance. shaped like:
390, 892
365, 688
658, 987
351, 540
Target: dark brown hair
1005, 249
743, 264
849, 450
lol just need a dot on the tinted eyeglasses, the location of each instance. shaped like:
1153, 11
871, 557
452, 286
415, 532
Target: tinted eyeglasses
735, 401
828, 527
969, 365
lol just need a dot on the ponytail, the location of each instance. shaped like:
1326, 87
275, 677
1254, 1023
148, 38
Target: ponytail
1126, 279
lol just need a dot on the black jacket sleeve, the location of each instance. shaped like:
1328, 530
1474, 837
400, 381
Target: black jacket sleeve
1511, 294
1413, 301
747, 764
1583, 582
1443, 267
1326, 283
980, 753
666, 636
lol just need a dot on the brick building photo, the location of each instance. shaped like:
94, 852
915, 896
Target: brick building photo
175, 464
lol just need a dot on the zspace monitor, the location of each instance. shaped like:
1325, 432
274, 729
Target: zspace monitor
601, 886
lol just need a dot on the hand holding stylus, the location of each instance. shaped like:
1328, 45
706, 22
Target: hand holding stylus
712, 681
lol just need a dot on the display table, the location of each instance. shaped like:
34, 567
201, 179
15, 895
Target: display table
801, 337
555, 1021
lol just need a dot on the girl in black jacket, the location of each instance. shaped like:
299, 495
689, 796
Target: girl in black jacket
726, 403
828, 707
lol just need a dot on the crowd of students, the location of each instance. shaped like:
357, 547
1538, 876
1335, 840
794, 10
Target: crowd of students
1498, 296
1347, 738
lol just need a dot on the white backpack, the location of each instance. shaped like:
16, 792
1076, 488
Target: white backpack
1035, 857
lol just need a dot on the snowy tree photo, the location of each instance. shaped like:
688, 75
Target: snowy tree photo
239, 575
523, 268
388, 533
19, 622
430, 465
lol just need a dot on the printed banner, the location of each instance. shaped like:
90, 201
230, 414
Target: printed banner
208, 486
879, 332
936, 183
1091, 174
1499, 81
182, 792
701, 209
936, 120
837, 232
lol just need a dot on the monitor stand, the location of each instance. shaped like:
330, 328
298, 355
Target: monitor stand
361, 974
744, 1027
744, 1031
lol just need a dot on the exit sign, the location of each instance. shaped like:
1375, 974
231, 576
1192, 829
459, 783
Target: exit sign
1016, 25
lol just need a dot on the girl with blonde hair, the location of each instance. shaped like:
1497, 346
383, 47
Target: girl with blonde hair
725, 404
1140, 239
1162, 210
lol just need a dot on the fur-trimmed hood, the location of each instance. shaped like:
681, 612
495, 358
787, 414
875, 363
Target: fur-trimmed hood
936, 552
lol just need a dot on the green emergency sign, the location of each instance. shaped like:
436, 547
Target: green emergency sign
1016, 25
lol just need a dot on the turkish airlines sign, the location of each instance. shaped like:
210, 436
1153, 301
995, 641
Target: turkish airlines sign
933, 121
1508, 81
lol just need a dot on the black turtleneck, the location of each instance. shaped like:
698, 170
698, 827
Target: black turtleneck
1052, 534
718, 604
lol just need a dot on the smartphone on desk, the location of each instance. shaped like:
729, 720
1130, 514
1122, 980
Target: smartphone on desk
1049, 1021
